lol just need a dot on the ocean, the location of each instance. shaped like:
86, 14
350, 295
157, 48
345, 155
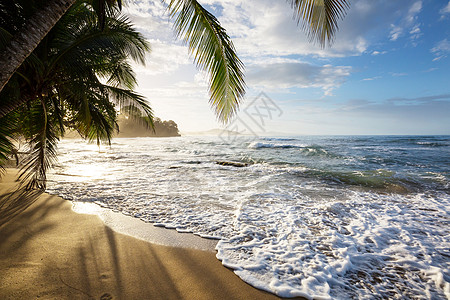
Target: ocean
329, 217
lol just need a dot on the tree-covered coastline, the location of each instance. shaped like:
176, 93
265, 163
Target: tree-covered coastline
129, 127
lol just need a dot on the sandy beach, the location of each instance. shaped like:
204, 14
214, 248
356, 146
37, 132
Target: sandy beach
47, 251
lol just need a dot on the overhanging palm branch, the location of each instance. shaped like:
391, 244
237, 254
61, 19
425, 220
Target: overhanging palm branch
80, 78
36, 25
213, 52
88, 53
42, 136
7, 132
320, 17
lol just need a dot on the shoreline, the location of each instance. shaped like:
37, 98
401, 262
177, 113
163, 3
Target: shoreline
49, 251
145, 231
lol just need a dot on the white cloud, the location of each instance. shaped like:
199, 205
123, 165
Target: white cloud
446, 9
396, 32
167, 54
375, 52
415, 33
267, 28
372, 78
407, 23
297, 75
164, 58
150, 18
413, 11
362, 116
441, 49
185, 102
442, 46
430, 70
399, 74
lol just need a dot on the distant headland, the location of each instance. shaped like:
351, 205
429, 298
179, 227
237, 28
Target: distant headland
129, 127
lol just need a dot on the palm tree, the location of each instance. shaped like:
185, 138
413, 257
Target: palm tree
74, 79
212, 49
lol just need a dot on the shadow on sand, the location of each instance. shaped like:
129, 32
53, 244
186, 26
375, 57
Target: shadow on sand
16, 201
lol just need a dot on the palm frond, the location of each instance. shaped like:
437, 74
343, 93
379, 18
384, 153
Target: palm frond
105, 7
7, 132
83, 44
320, 17
213, 52
103, 123
42, 141
120, 73
94, 116
130, 102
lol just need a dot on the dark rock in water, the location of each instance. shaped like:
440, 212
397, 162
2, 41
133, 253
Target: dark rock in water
231, 163
194, 162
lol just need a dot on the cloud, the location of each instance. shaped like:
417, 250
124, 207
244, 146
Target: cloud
164, 58
415, 33
186, 102
268, 28
421, 115
297, 74
442, 46
371, 78
407, 23
399, 74
441, 49
430, 70
396, 32
446, 9
419, 100
150, 18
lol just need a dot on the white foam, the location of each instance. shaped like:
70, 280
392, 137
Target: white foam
258, 145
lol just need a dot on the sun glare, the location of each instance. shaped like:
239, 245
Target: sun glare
84, 171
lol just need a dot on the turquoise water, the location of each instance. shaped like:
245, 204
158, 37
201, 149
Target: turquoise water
338, 217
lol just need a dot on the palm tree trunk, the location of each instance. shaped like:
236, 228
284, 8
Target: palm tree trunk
25, 41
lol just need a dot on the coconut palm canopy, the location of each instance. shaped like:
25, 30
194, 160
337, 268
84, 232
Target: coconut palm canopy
80, 72
76, 78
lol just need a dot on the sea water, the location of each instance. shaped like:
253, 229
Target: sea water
334, 217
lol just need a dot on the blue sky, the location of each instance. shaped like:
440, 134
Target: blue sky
388, 71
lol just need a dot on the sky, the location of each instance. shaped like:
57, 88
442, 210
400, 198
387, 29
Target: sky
387, 72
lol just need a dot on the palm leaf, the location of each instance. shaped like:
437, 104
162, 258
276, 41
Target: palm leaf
103, 122
213, 52
320, 17
83, 44
132, 104
42, 140
7, 132
93, 115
